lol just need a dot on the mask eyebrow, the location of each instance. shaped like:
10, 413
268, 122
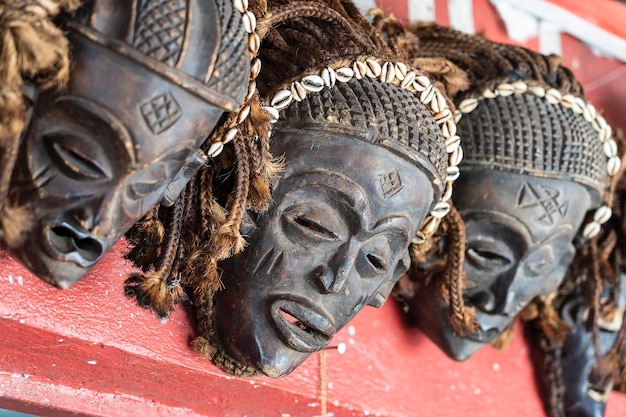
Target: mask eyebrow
347, 193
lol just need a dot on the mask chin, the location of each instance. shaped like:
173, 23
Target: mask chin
191, 167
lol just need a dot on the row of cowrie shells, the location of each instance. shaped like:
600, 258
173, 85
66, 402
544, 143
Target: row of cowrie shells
254, 42
578, 106
398, 74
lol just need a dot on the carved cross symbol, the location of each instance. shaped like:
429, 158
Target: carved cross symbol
546, 198
390, 182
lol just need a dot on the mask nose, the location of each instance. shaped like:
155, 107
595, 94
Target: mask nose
493, 299
76, 244
334, 276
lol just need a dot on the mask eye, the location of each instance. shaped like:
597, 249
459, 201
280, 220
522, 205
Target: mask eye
76, 158
310, 226
149, 182
486, 259
377, 263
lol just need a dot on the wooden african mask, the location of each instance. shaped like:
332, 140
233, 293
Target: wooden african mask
335, 240
520, 231
149, 82
532, 171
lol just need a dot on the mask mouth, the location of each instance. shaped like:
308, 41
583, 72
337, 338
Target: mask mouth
300, 326
70, 243
490, 325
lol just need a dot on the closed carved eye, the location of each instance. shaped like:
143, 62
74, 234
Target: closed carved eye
143, 189
486, 258
74, 161
377, 262
314, 227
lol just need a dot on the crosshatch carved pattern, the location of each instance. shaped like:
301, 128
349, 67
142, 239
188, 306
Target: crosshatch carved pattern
161, 112
160, 29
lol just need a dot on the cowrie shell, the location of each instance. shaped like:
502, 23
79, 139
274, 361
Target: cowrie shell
489, 94
281, 99
298, 91
452, 143
243, 114
505, 89
421, 83
602, 215
249, 21
591, 230
255, 68
215, 149
537, 90
388, 72
329, 77
241, 5
613, 165
448, 129
553, 96
452, 173
360, 68
230, 135
606, 133
273, 113
567, 101
344, 74
578, 105
427, 95
254, 42
439, 102
401, 70
251, 90
373, 69
408, 79
313, 83
519, 87
610, 148
456, 156
430, 226
440, 210
468, 105
443, 116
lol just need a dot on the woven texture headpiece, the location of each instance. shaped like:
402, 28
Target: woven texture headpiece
525, 134
402, 122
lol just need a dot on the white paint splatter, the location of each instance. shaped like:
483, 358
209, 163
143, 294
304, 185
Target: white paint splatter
351, 330
92, 362
22, 321
20, 280
496, 366
10, 279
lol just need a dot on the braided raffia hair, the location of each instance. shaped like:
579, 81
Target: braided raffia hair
300, 38
32, 48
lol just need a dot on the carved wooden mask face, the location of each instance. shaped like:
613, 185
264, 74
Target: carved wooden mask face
98, 155
519, 232
335, 240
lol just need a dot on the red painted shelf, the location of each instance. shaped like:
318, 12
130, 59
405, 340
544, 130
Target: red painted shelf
90, 351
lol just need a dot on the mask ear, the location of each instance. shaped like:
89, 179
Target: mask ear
382, 293
192, 165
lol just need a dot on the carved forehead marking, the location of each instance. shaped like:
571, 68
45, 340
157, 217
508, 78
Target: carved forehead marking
161, 112
545, 198
390, 183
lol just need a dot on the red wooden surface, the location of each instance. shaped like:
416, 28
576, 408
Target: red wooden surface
90, 351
